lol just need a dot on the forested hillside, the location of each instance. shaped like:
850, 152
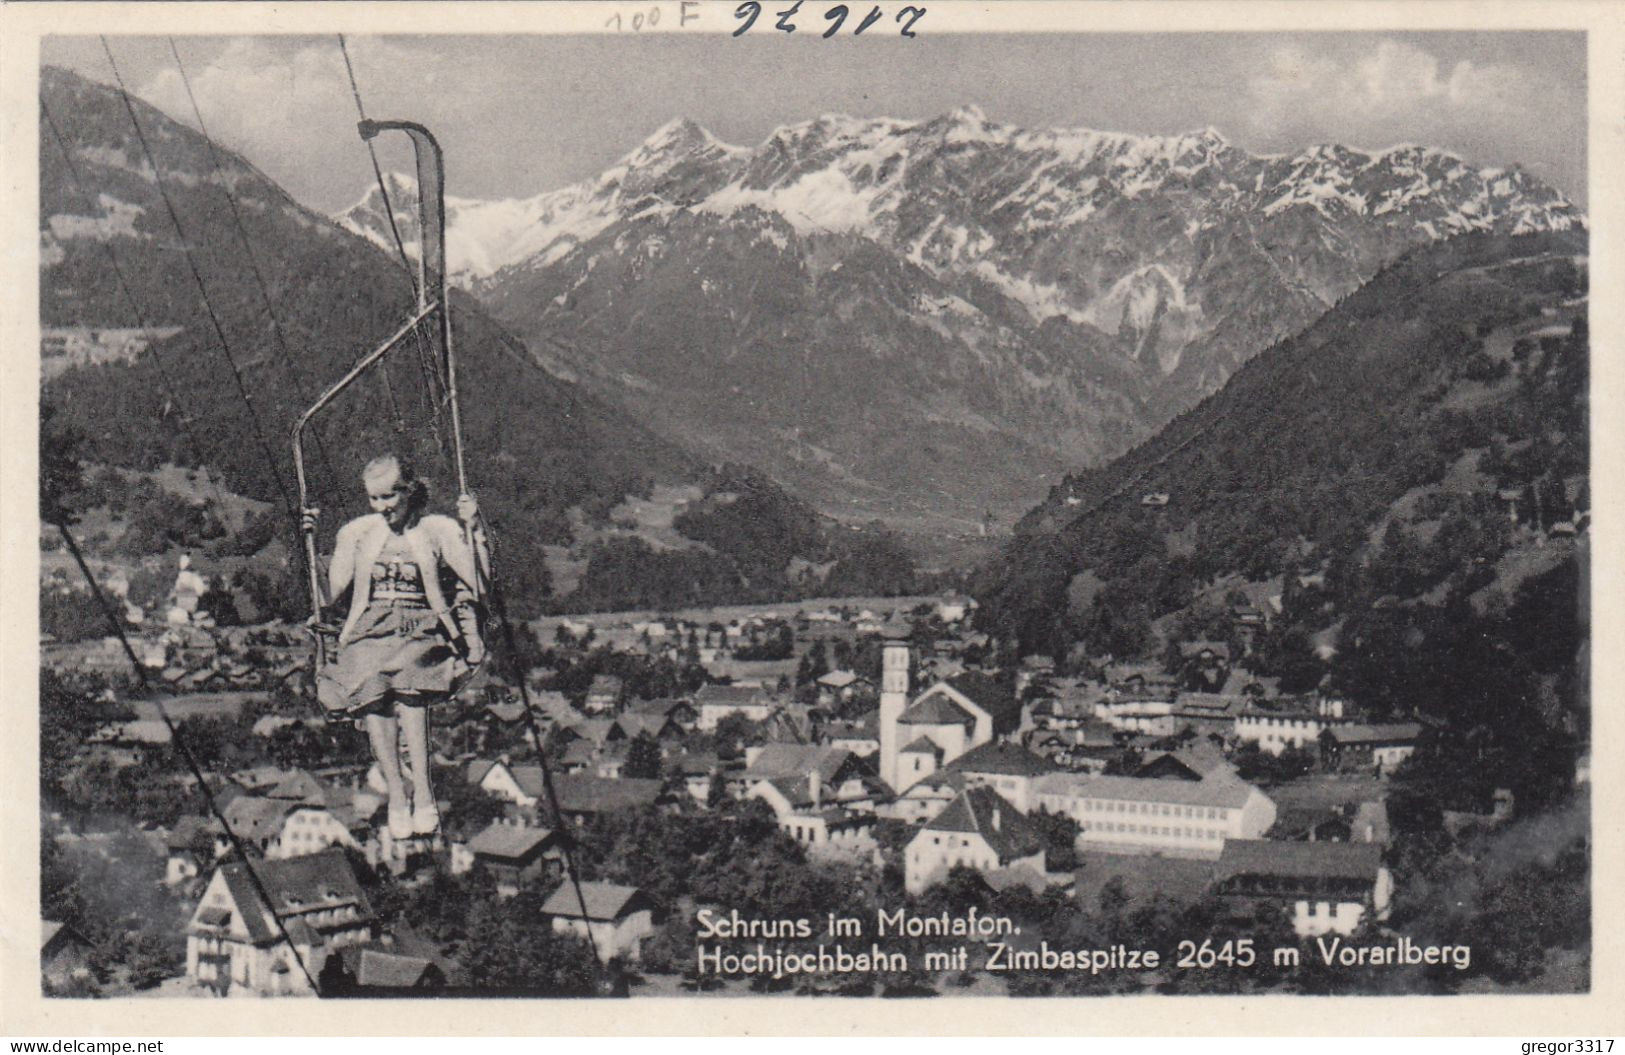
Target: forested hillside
146, 369
1407, 478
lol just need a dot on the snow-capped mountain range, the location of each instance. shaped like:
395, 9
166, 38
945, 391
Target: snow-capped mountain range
1016, 300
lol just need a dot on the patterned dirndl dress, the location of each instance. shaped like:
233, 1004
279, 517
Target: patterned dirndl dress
398, 650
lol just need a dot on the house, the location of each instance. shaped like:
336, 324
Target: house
925, 799
1138, 713
595, 731
951, 717
954, 607
192, 845
716, 702
580, 795
1349, 822
861, 736
611, 760
239, 939
1174, 817
615, 918
309, 828
790, 723
1201, 760
579, 757
604, 695
979, 830
297, 785
697, 770
842, 685
1154, 499
1205, 653
657, 726
256, 821
1326, 887
1295, 724
64, 953
1007, 768
515, 854
1206, 712
1378, 747
819, 795
376, 969
679, 712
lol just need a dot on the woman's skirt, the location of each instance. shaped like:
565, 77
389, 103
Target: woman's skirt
397, 653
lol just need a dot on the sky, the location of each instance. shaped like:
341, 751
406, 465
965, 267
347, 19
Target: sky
520, 115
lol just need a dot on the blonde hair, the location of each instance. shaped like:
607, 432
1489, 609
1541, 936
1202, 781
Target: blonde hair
405, 472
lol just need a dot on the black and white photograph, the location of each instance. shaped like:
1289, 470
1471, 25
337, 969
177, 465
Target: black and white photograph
791, 500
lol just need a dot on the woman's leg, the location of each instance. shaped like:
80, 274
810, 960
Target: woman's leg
383, 731
415, 725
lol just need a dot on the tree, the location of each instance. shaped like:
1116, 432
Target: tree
814, 663
642, 757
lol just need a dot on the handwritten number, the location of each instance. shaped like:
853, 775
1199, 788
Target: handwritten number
836, 16
654, 17
748, 12
614, 20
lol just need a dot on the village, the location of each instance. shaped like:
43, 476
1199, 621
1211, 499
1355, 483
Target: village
887, 739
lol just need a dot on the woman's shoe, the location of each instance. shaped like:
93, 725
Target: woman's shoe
400, 819
426, 819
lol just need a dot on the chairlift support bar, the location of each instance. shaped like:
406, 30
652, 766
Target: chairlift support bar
432, 296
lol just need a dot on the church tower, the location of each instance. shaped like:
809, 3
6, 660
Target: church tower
893, 698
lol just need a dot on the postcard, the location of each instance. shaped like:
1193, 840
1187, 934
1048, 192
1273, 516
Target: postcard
788, 513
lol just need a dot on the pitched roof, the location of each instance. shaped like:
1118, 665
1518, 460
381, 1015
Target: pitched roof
298, 786
731, 695
936, 708
1231, 794
605, 901
583, 793
579, 751
941, 784
254, 818
992, 697
606, 683
295, 885
839, 679
866, 727
797, 760
661, 707
595, 729
999, 757
387, 969
633, 724
509, 841
690, 763
1203, 758
187, 828
510, 711
1389, 733
1300, 860
1208, 705
921, 745
988, 814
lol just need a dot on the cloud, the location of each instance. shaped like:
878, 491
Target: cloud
1395, 80
286, 106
